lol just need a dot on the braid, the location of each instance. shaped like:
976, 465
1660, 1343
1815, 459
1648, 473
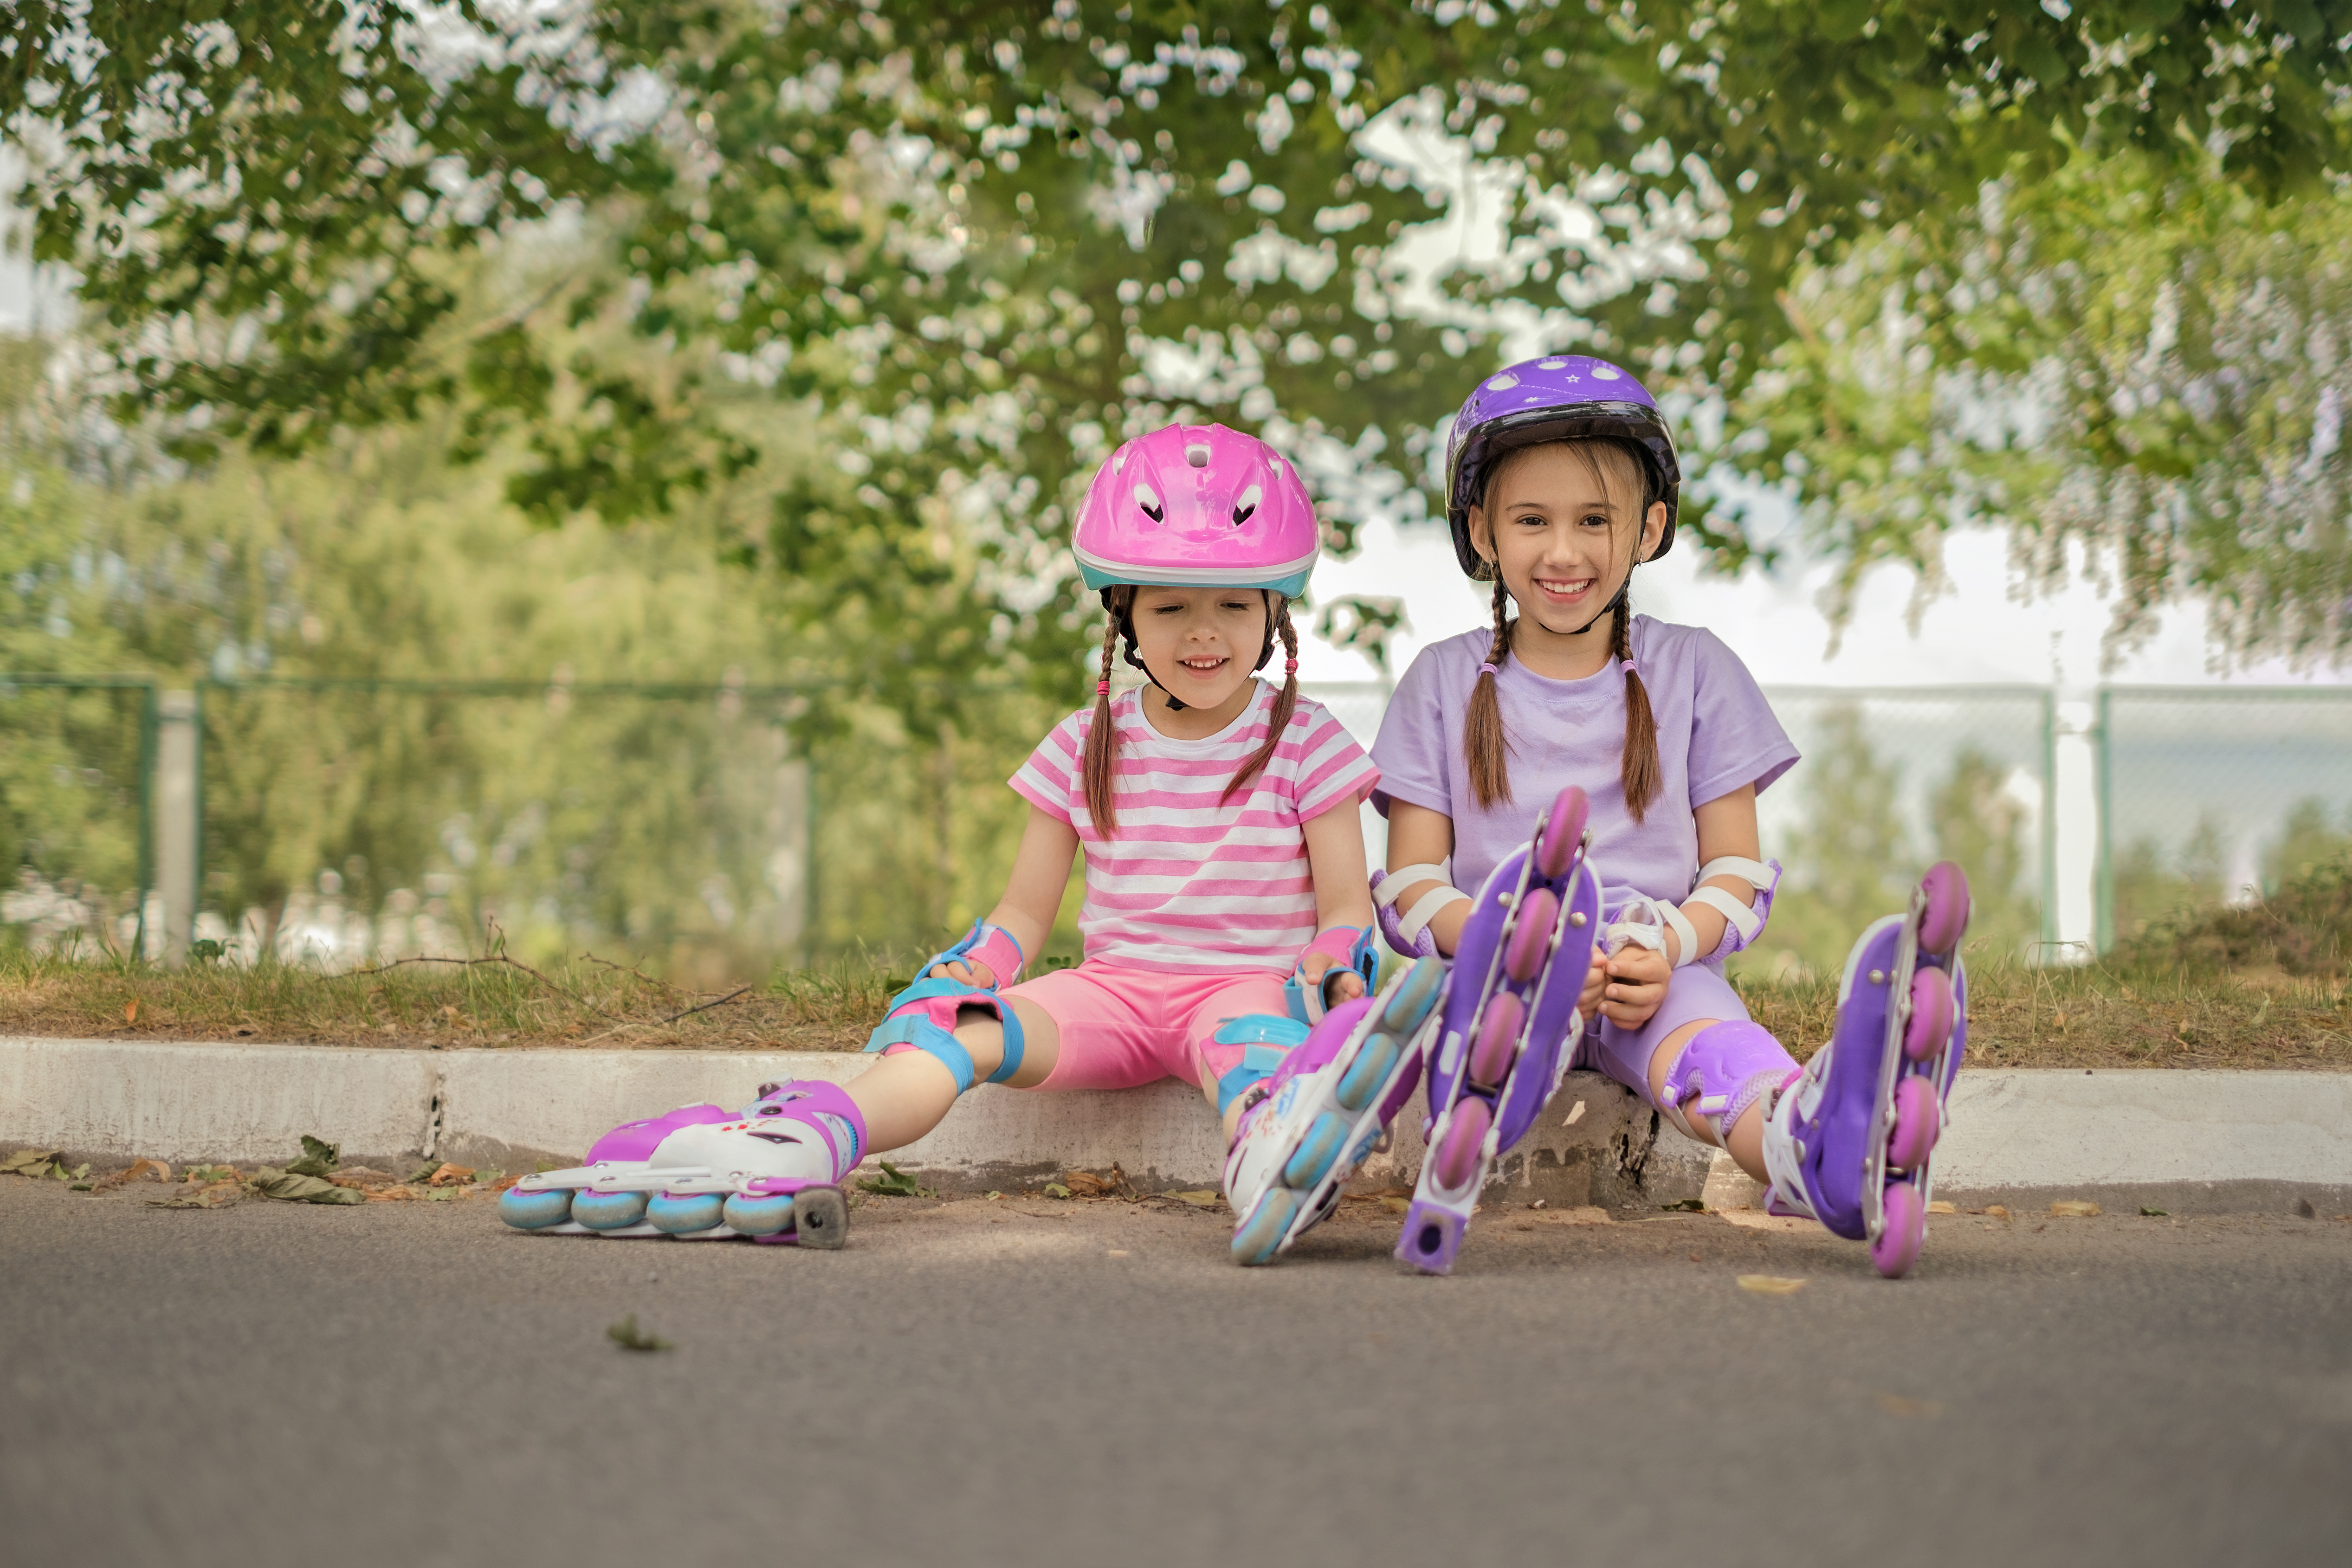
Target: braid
1284, 703
1639, 769
1483, 741
1102, 735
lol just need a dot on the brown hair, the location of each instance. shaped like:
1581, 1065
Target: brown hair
1484, 742
1102, 737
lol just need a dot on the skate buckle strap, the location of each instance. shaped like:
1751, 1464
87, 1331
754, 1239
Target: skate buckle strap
1644, 922
1403, 932
1351, 948
1742, 923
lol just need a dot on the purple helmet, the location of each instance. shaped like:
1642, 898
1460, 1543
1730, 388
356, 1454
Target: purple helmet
1560, 397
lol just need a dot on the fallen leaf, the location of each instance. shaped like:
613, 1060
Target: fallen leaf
1396, 1205
360, 1176
390, 1195
131, 1010
896, 1183
1086, 1184
1940, 1207
291, 1186
1116, 1252
626, 1334
1997, 1211
1199, 1197
319, 1157
1574, 1113
1689, 1205
447, 1175
34, 1162
2074, 1208
1896, 1405
2156, 1213
1052, 1189
1770, 1284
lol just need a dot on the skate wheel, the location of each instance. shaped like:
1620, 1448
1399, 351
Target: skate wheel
1410, 999
1260, 1236
764, 1216
1457, 1153
608, 1210
1315, 1152
1365, 1076
535, 1210
1530, 942
1498, 1044
821, 1216
1563, 829
1946, 914
684, 1216
1931, 1014
1916, 1124
1898, 1247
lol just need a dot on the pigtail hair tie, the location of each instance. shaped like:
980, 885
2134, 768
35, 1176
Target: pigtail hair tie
1487, 668
1627, 666
1102, 688
1290, 666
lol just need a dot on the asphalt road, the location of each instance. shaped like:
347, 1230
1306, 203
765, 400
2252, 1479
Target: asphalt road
1038, 1383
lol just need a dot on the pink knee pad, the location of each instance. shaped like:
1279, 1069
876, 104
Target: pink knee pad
1725, 1069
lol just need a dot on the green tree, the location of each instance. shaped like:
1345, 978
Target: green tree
986, 240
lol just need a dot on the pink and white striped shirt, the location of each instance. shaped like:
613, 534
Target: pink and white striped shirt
1189, 886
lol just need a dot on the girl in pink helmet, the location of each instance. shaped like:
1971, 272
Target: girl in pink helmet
1227, 928
1571, 804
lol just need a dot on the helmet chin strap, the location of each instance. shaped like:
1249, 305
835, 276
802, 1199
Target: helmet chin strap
1623, 589
1177, 704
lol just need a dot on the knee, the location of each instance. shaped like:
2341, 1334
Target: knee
1721, 1069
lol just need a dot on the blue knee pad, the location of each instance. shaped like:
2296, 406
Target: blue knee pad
925, 1036
1268, 1039
1726, 1068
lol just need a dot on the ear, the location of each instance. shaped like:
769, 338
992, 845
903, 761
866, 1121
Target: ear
1482, 536
1654, 529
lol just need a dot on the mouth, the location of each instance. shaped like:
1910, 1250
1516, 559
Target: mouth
1565, 589
1203, 664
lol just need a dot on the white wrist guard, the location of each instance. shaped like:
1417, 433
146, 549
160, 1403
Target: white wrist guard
1644, 922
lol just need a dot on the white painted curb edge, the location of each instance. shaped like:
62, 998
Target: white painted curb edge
2010, 1130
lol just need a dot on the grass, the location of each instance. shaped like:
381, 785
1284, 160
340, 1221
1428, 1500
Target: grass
2262, 986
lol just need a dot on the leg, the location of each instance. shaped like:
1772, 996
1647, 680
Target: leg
1744, 1056
910, 1090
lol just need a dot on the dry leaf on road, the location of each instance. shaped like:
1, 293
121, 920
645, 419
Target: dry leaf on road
1770, 1284
2074, 1208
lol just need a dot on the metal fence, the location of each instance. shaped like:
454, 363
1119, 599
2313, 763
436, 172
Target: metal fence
334, 819
2216, 796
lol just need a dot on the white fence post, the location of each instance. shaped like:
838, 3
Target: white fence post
177, 828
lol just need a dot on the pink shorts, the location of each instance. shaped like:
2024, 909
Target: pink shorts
1122, 1028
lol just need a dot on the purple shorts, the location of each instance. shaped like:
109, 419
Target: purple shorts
1693, 994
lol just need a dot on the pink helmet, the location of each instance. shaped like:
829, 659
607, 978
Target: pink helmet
1196, 506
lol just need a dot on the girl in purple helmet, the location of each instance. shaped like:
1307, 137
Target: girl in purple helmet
1562, 478
1228, 932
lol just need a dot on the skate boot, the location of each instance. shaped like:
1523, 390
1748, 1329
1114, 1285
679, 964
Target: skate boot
771, 1171
1325, 1108
1503, 1040
1850, 1140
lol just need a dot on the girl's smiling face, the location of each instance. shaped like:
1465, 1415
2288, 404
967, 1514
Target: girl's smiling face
1199, 643
1564, 523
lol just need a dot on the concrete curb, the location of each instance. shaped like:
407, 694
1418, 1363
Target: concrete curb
2185, 1141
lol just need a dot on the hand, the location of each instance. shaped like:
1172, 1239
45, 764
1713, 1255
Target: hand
1636, 986
1344, 987
1596, 981
971, 971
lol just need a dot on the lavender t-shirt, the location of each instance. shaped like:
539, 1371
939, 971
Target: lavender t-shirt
1715, 733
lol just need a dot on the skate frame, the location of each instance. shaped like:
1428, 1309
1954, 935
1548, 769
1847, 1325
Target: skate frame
1882, 1110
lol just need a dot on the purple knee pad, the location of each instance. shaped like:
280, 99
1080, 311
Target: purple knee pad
1725, 1069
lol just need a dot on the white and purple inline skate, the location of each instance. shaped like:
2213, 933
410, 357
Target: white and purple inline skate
1852, 1138
1324, 1109
771, 1171
1502, 1039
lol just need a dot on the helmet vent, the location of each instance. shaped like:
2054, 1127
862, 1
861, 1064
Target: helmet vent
1118, 461
1247, 505
1197, 454
1149, 502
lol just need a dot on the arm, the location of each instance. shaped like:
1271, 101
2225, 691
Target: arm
1335, 858
1033, 896
1419, 836
1628, 985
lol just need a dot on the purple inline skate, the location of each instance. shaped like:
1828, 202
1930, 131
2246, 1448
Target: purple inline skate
1851, 1140
1325, 1108
1503, 1037
771, 1171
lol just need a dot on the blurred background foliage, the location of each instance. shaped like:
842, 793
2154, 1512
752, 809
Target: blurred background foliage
763, 343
